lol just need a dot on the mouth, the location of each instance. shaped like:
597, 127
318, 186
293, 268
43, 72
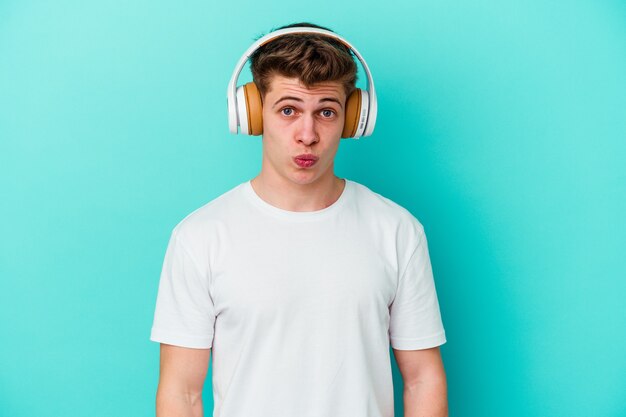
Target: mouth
305, 160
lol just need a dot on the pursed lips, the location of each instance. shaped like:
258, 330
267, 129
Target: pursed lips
305, 160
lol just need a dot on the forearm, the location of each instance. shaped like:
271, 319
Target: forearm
426, 398
173, 404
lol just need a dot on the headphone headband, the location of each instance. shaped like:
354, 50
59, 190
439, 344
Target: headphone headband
233, 121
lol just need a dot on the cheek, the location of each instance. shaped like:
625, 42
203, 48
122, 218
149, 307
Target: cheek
274, 124
336, 127
275, 143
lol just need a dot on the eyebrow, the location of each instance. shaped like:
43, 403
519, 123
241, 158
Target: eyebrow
332, 99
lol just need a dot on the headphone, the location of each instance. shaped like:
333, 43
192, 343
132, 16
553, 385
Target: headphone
245, 109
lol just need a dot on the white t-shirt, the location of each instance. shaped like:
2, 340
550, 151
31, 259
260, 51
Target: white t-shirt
299, 308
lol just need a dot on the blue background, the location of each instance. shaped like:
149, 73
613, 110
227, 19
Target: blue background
502, 128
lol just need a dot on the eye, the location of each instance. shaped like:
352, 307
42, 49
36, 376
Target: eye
327, 113
287, 111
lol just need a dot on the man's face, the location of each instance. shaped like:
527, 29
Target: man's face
299, 121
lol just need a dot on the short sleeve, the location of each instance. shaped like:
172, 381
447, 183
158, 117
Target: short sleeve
415, 319
184, 314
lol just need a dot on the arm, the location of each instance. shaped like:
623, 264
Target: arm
181, 378
425, 390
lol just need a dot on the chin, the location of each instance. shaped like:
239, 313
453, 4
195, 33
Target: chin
303, 178
303, 181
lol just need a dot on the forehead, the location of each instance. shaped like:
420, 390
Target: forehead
280, 85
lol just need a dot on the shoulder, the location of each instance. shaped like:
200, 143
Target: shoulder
374, 204
209, 216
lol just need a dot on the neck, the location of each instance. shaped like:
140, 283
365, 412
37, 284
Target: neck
291, 196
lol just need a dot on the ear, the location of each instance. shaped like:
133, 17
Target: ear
254, 108
353, 111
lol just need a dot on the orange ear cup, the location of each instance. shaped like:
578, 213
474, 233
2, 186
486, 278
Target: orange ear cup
254, 107
353, 110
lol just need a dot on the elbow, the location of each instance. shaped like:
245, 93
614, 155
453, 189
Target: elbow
436, 381
177, 401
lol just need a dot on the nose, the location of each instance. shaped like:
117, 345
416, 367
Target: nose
307, 130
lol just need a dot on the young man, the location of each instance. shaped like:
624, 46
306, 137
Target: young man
298, 280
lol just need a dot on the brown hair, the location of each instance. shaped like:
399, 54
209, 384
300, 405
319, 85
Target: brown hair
310, 57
